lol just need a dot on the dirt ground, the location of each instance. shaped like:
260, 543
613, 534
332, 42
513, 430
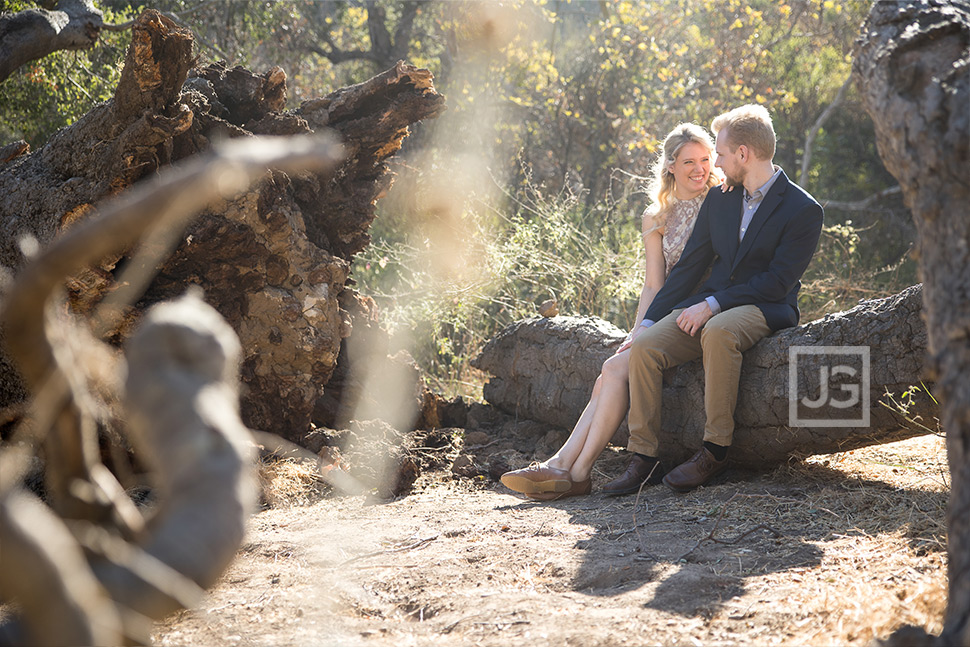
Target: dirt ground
833, 550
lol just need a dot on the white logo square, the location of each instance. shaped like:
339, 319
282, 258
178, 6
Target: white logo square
828, 386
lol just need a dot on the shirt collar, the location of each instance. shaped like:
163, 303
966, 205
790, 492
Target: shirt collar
762, 190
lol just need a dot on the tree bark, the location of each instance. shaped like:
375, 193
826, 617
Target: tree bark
106, 150
275, 261
544, 369
913, 68
35, 33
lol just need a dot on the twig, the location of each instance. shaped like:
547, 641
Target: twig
636, 505
617, 535
119, 27
401, 549
451, 627
470, 447
78, 86
710, 536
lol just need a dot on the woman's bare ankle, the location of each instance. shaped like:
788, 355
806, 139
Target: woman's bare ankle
577, 475
556, 463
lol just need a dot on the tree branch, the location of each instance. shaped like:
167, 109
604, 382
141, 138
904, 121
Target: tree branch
178, 196
41, 562
816, 127
861, 205
32, 34
380, 37
182, 387
402, 33
119, 27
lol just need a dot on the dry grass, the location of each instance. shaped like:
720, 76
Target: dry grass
286, 481
879, 517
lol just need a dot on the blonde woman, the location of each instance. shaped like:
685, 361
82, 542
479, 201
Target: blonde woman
681, 179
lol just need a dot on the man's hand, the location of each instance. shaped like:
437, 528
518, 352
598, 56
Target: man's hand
693, 318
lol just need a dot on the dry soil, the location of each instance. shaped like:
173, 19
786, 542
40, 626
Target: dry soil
832, 550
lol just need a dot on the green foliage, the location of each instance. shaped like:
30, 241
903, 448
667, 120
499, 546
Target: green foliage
840, 275
526, 188
549, 94
444, 301
45, 95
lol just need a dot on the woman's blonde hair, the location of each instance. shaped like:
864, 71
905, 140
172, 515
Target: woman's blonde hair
661, 186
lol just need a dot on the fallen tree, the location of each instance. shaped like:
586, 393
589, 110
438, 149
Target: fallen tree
544, 369
80, 213
913, 69
274, 261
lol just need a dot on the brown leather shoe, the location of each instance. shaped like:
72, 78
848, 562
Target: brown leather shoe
579, 488
537, 479
638, 471
698, 470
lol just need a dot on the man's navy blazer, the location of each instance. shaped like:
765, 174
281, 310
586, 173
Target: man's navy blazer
764, 269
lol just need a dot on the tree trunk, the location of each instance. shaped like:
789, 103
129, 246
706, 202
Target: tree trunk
913, 69
544, 369
32, 34
275, 261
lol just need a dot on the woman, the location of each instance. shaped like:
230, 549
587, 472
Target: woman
681, 179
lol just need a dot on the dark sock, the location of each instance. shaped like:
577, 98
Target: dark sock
646, 458
718, 451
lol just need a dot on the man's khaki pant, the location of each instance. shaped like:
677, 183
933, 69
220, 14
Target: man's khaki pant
720, 342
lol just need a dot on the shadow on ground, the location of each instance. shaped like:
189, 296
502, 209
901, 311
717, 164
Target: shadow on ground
695, 551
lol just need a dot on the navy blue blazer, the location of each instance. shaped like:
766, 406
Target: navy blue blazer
764, 269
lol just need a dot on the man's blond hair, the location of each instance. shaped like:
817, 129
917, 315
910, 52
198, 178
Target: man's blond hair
749, 125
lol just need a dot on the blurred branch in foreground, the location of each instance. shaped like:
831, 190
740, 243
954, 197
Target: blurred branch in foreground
91, 554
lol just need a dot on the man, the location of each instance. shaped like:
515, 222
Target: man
760, 239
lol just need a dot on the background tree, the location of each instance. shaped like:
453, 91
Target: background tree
56, 61
56, 25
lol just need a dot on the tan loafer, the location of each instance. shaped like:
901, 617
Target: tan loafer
577, 489
537, 479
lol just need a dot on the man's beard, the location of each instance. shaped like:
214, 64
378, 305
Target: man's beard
734, 181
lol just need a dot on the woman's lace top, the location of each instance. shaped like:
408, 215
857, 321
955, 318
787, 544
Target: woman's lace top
677, 229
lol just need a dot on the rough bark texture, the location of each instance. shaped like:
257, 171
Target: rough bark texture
544, 369
32, 34
274, 261
110, 147
913, 68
